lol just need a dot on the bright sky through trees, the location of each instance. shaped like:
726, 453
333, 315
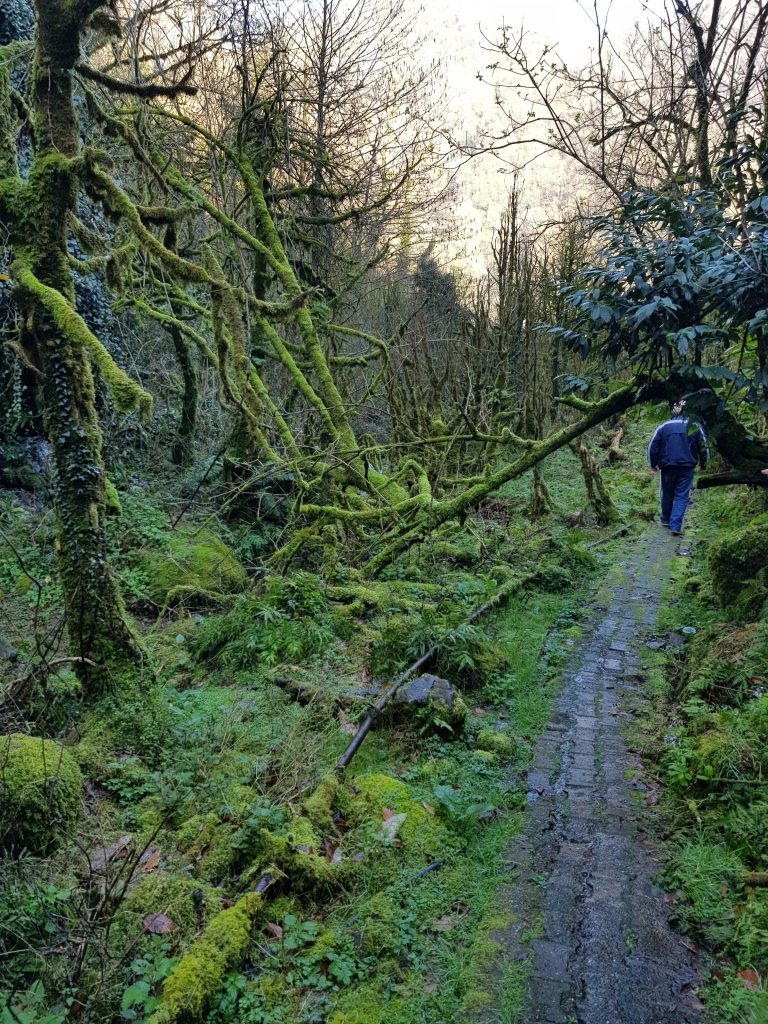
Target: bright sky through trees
460, 34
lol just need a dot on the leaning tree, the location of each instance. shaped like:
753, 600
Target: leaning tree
198, 234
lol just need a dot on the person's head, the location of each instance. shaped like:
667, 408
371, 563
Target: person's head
678, 406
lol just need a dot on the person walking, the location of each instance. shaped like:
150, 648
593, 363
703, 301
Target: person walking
675, 449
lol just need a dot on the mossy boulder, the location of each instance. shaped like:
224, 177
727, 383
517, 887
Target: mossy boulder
739, 558
40, 785
195, 569
436, 699
494, 742
421, 834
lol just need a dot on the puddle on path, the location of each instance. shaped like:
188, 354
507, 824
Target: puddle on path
604, 952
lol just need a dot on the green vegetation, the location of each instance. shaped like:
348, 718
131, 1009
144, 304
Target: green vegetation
39, 792
263, 448
706, 722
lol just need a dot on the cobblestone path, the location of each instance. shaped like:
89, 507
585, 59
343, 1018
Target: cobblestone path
581, 870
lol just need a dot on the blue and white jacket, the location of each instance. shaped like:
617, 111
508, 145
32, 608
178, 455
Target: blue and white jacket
675, 444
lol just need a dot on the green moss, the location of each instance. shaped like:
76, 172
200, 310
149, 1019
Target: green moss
319, 806
485, 756
206, 843
199, 974
113, 498
126, 393
365, 1005
454, 714
421, 834
381, 916
192, 567
188, 902
40, 786
297, 852
739, 558
495, 742
95, 748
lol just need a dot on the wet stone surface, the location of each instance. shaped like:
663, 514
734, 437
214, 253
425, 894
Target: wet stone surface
604, 951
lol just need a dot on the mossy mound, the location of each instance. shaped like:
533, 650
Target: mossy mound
40, 787
188, 902
194, 569
495, 742
207, 845
299, 853
365, 1005
319, 805
738, 559
421, 834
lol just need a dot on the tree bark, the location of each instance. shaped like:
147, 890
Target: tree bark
55, 341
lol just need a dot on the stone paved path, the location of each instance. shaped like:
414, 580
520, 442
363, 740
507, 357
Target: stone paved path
606, 953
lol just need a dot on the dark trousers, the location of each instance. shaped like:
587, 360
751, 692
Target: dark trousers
675, 487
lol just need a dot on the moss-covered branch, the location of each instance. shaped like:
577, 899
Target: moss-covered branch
126, 393
147, 90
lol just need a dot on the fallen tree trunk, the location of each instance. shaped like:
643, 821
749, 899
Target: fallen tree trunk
401, 538
304, 694
727, 479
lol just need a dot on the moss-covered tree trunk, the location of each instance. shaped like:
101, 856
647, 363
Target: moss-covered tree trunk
182, 452
597, 492
56, 342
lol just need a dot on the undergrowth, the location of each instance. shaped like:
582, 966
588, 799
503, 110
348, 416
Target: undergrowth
711, 699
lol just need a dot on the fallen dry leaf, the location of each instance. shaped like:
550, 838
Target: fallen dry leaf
749, 978
428, 807
274, 930
157, 924
150, 859
386, 813
392, 825
104, 855
443, 924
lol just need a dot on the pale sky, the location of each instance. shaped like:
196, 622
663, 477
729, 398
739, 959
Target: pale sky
454, 32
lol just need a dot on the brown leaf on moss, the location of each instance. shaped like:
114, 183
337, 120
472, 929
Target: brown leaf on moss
104, 855
157, 924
